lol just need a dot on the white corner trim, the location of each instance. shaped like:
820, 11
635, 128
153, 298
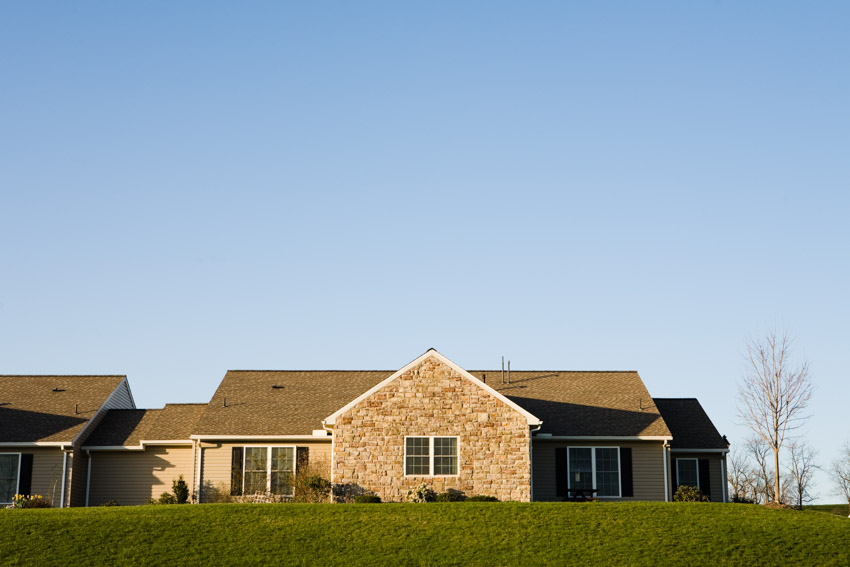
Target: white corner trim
532, 419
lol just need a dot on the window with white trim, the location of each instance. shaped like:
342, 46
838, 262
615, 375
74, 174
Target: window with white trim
430, 456
10, 466
687, 472
268, 470
595, 468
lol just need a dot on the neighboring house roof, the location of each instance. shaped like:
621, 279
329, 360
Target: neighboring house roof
583, 403
50, 408
281, 402
691, 426
432, 353
129, 428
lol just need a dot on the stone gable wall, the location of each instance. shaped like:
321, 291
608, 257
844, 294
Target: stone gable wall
433, 400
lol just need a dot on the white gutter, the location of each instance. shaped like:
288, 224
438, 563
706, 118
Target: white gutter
542, 436
723, 451
140, 447
64, 475
249, 437
666, 474
36, 444
88, 479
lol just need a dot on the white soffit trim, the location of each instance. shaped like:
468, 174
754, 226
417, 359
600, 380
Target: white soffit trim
36, 444
672, 450
532, 419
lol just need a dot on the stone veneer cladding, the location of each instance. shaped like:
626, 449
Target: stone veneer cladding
432, 399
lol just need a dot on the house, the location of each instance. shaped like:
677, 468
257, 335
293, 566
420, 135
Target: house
521, 435
43, 421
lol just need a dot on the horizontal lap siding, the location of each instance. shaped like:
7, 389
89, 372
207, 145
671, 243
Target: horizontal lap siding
647, 468
133, 477
46, 471
216, 463
714, 468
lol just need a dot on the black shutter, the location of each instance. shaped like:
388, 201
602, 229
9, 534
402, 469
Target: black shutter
302, 458
626, 471
561, 472
704, 478
25, 481
236, 472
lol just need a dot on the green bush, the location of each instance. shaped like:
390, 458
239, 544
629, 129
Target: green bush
181, 490
167, 498
367, 499
451, 496
110, 503
689, 494
481, 498
312, 488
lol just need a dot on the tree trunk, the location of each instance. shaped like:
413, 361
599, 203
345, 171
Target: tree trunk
776, 474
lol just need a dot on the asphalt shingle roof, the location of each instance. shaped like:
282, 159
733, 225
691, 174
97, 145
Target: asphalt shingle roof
50, 408
568, 402
691, 426
128, 428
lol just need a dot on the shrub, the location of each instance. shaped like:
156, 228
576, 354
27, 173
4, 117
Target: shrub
742, 500
110, 503
451, 496
29, 501
481, 498
367, 499
180, 490
689, 494
422, 493
312, 488
167, 498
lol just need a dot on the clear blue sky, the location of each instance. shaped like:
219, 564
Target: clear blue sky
192, 187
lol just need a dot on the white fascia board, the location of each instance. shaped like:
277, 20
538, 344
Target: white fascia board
140, 447
672, 450
249, 437
603, 438
532, 419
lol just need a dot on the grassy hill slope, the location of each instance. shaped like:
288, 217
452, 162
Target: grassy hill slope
424, 534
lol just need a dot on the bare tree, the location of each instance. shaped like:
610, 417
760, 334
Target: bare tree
801, 469
841, 473
762, 478
742, 478
774, 394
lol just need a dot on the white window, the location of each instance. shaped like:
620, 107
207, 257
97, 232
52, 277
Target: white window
10, 468
430, 456
268, 470
595, 468
687, 472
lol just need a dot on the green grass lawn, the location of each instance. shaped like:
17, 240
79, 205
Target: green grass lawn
837, 509
424, 534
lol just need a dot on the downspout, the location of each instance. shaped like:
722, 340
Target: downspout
531, 430
64, 476
197, 455
723, 472
88, 477
333, 446
666, 474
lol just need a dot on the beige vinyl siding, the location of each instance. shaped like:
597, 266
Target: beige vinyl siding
46, 470
133, 477
647, 468
715, 470
216, 462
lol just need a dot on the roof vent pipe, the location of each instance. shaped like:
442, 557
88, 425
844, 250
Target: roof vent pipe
224, 403
484, 378
503, 370
76, 409
509, 372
